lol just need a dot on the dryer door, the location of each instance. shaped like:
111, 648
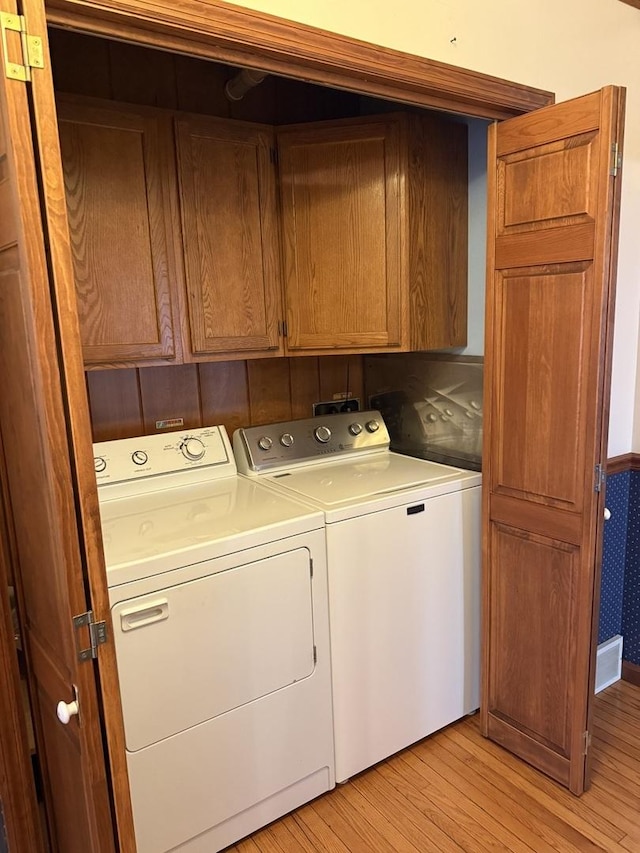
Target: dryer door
190, 652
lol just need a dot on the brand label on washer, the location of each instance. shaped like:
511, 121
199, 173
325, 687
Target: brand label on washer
170, 423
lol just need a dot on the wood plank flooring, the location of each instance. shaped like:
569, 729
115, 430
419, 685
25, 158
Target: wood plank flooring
456, 791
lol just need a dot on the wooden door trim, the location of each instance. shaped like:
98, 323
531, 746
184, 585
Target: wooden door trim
244, 37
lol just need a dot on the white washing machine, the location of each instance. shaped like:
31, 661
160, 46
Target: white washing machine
403, 553
218, 593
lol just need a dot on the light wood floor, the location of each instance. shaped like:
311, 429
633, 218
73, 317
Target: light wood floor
457, 791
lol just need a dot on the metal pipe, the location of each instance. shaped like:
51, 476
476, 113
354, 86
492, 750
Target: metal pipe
237, 87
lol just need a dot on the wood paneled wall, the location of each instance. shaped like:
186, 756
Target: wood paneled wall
129, 402
86, 65
126, 403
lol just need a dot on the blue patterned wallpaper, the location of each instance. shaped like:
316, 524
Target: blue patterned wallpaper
614, 556
620, 590
631, 606
4, 847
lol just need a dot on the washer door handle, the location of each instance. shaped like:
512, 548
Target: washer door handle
144, 614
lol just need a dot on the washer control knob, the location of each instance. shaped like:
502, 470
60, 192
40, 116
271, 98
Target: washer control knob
372, 426
192, 448
265, 443
355, 428
322, 434
99, 464
139, 457
286, 439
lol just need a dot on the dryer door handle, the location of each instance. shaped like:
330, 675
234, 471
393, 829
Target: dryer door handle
144, 614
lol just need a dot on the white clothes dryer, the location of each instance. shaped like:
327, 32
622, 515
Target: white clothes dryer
218, 600
403, 552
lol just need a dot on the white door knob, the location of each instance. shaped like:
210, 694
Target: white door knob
607, 513
66, 710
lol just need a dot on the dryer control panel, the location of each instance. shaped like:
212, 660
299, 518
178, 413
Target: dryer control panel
141, 464
265, 448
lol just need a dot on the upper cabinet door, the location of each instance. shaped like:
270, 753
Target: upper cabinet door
341, 193
552, 243
374, 224
116, 165
231, 239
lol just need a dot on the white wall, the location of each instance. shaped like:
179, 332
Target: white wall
477, 235
567, 46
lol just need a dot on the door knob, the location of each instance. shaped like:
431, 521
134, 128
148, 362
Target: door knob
66, 710
607, 513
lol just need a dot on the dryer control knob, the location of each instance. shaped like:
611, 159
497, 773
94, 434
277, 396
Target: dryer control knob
99, 464
322, 434
372, 426
355, 428
192, 448
286, 440
265, 443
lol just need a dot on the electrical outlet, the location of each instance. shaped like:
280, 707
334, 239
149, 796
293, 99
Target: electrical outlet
334, 407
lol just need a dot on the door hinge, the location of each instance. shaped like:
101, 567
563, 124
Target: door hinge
315, 655
600, 478
616, 159
587, 742
311, 566
32, 48
97, 634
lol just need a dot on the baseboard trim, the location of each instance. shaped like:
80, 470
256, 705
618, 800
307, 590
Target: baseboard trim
631, 672
626, 462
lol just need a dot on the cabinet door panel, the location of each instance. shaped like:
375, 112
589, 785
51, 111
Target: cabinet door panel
341, 232
232, 263
114, 167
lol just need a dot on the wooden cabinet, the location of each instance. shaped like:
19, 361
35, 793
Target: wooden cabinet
117, 165
374, 223
367, 252
230, 235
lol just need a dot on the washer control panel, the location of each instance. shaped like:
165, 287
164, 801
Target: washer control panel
264, 448
200, 454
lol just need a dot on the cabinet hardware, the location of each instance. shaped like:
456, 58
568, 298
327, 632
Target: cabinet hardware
587, 742
97, 635
32, 49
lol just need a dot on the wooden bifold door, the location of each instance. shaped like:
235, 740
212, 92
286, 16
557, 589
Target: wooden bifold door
553, 209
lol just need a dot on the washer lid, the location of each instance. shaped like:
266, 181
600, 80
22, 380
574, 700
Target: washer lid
334, 485
154, 533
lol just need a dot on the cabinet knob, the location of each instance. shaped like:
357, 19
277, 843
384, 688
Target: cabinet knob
66, 710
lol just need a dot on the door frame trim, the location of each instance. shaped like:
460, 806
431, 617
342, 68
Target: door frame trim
241, 36
215, 30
